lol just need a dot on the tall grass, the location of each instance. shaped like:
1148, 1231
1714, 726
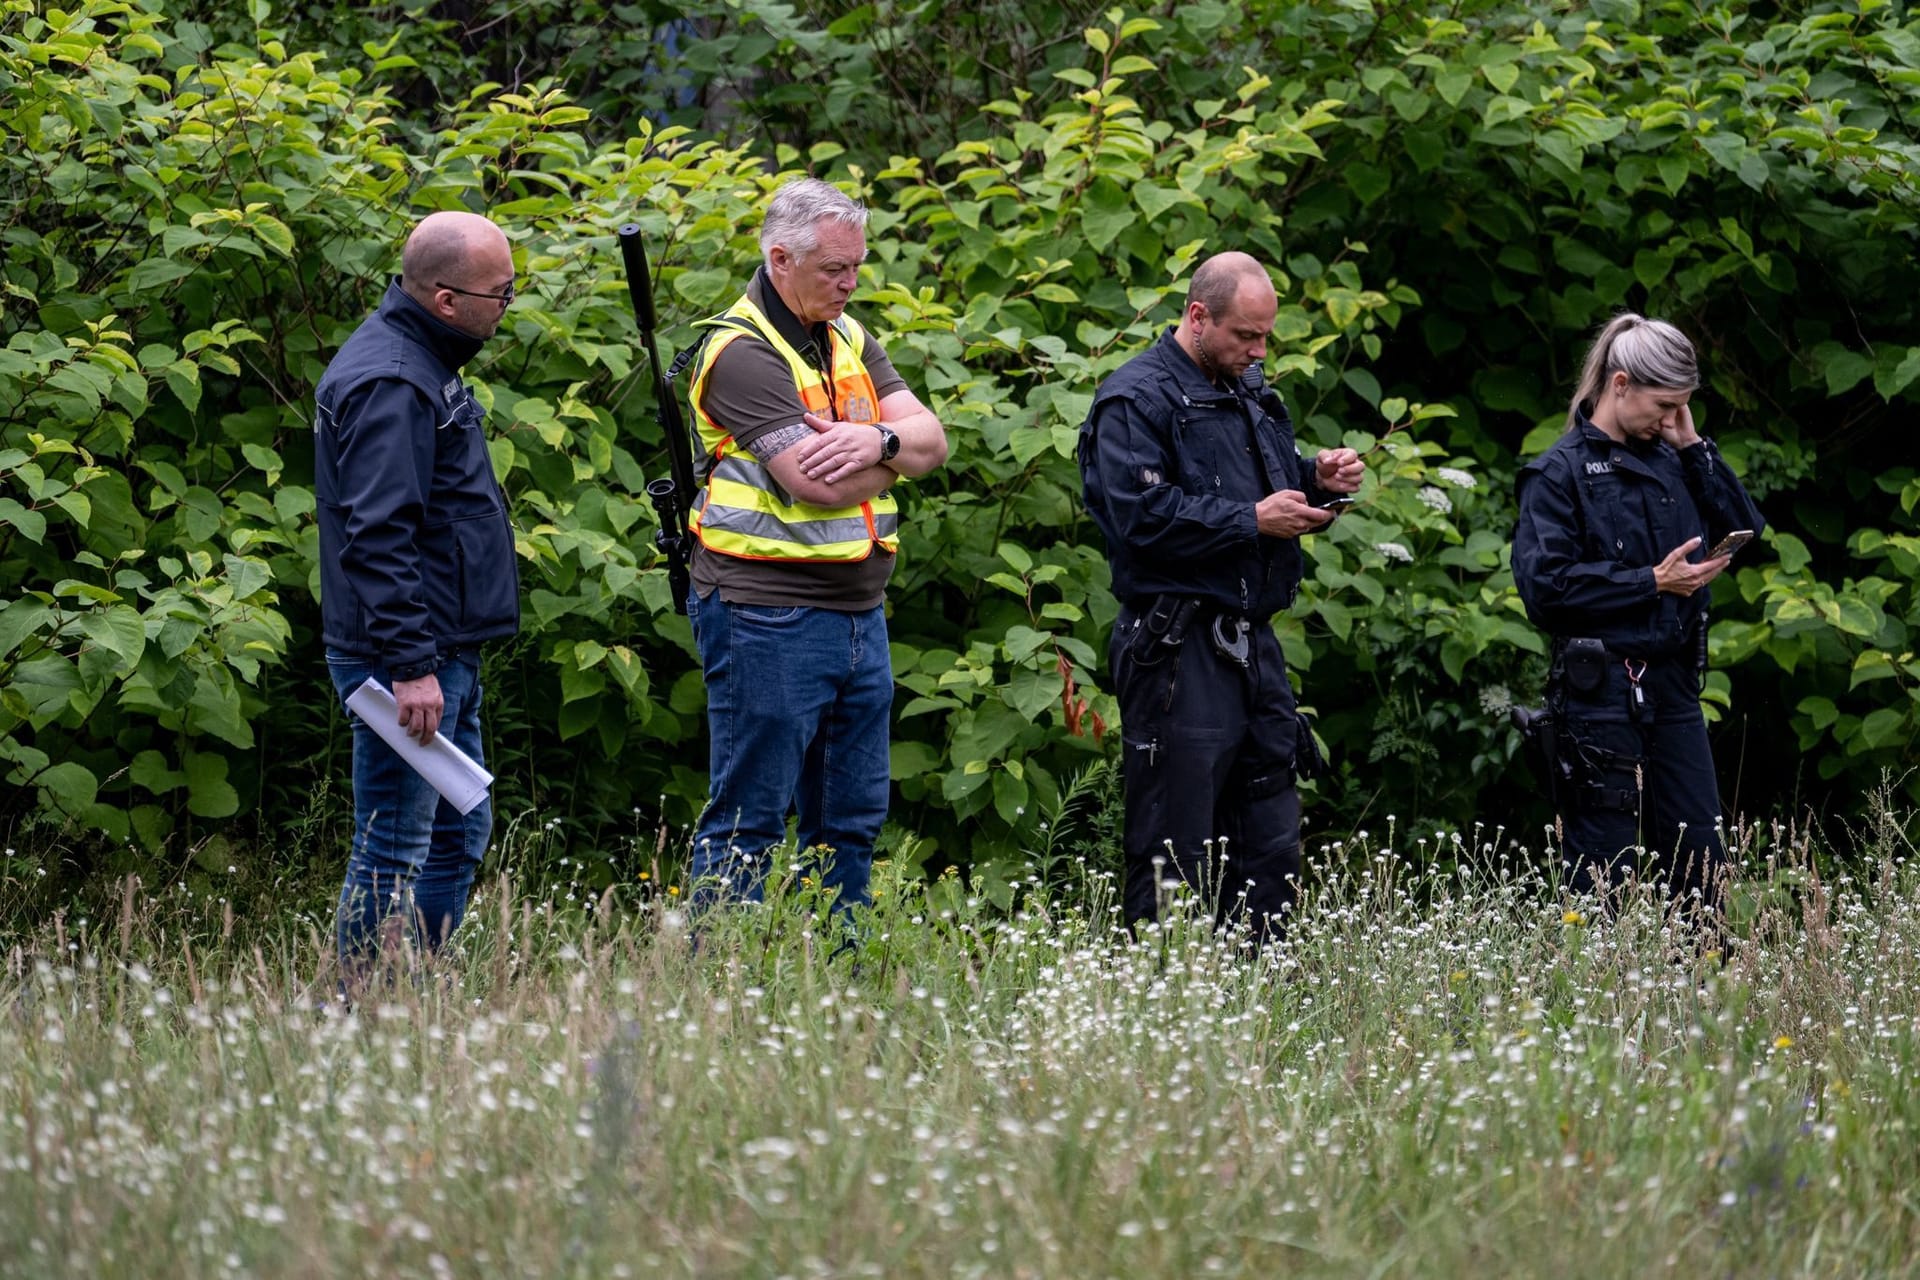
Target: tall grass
1446, 1072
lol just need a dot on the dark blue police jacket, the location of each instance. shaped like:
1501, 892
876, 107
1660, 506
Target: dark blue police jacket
1596, 516
416, 551
1173, 466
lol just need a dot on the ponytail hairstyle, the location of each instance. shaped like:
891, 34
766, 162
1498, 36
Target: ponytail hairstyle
1652, 353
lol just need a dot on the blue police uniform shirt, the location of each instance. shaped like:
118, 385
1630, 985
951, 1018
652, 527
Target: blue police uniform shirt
1596, 515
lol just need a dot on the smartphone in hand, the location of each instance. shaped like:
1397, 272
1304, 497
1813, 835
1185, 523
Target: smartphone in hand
1730, 544
1339, 502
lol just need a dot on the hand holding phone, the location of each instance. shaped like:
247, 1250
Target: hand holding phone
1338, 502
1730, 544
1286, 513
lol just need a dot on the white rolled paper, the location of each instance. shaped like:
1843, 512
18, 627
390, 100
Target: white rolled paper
447, 769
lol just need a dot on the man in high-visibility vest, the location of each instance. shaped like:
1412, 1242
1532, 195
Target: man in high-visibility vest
806, 427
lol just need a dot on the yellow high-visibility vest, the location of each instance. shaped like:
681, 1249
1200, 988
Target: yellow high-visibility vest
743, 511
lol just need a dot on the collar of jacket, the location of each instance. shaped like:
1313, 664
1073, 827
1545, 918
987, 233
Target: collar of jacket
1593, 436
1189, 383
452, 347
1629, 455
809, 340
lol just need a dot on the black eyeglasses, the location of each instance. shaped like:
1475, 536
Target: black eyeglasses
502, 298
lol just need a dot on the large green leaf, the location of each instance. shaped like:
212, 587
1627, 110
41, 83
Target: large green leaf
1105, 212
209, 794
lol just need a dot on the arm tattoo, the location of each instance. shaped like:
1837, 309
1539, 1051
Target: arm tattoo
776, 442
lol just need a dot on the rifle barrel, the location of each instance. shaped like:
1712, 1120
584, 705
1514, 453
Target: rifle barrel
672, 492
639, 279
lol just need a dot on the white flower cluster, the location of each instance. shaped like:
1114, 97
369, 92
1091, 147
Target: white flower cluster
1436, 497
1394, 551
1457, 478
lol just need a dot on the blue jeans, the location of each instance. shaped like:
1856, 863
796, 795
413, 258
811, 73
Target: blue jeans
797, 702
411, 849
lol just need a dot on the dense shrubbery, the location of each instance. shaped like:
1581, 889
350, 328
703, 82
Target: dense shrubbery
197, 208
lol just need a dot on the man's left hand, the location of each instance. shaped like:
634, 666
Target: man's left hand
838, 449
1339, 470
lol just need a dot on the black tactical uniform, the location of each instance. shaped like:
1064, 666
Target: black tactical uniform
1173, 465
1595, 517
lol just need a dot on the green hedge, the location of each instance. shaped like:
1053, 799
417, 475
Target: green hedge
195, 215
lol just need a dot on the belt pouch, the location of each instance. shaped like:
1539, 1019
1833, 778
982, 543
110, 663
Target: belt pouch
1585, 661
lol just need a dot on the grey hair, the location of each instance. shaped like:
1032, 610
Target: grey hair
794, 214
1652, 353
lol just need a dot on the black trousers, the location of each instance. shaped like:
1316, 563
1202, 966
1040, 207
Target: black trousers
1207, 773
1645, 781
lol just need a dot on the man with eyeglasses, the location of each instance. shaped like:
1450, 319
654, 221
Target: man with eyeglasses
806, 427
416, 571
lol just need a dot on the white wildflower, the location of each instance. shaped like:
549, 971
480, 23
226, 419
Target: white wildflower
1394, 551
1436, 497
1457, 478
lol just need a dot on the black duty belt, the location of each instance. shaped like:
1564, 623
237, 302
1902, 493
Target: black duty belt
1686, 650
1168, 619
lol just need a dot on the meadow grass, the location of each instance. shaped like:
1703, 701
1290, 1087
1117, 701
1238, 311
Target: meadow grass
1449, 1072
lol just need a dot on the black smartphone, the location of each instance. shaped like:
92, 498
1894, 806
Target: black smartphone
1338, 502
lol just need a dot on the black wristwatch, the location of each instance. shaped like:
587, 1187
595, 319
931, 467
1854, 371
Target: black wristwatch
889, 443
